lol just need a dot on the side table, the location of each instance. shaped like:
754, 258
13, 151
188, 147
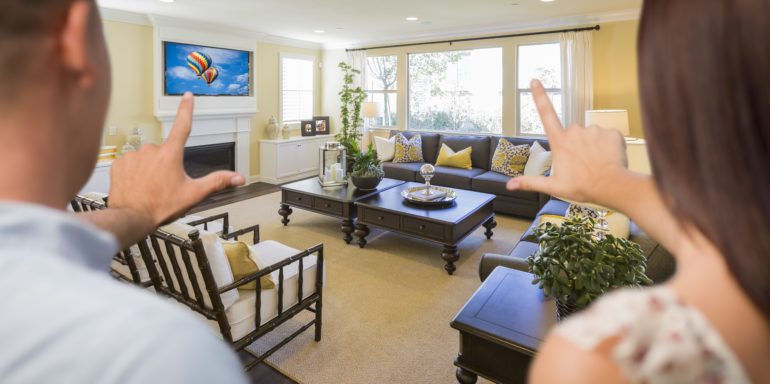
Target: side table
501, 327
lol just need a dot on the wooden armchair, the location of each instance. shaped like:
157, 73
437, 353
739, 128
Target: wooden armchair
125, 266
187, 273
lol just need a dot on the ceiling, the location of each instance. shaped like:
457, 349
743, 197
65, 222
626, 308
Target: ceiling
348, 23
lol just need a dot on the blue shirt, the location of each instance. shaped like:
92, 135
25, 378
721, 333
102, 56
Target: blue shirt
63, 319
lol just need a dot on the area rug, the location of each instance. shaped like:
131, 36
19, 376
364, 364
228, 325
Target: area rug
386, 308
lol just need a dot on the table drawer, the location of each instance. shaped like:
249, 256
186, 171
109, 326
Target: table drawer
382, 219
423, 228
294, 198
330, 206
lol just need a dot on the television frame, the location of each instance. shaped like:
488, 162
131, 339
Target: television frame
164, 68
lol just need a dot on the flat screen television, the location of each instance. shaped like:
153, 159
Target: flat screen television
206, 71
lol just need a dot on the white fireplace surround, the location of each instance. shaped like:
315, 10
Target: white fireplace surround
216, 120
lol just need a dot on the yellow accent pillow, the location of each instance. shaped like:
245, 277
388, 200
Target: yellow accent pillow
241, 264
449, 158
408, 151
509, 159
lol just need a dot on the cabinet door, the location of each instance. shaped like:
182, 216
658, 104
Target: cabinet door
288, 159
308, 156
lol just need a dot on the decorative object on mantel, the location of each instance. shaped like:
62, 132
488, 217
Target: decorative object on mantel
367, 169
307, 127
331, 172
322, 125
136, 138
575, 267
271, 129
286, 131
126, 149
350, 109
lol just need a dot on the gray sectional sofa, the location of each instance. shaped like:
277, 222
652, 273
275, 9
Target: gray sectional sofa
480, 178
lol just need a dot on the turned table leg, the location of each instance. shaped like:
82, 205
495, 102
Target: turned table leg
465, 377
361, 232
490, 225
285, 211
347, 229
450, 255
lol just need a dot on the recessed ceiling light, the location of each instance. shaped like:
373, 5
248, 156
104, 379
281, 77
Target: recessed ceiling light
166, 1
319, 31
412, 18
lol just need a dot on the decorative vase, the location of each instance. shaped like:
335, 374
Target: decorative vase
135, 139
272, 128
285, 131
365, 183
564, 309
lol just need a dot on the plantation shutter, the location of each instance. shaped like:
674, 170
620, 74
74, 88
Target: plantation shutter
296, 89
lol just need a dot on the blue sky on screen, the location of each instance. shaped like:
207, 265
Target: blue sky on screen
233, 69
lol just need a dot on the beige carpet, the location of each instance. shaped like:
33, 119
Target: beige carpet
386, 308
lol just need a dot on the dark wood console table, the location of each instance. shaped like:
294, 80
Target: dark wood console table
501, 327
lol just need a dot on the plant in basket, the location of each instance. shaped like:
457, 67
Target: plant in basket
574, 267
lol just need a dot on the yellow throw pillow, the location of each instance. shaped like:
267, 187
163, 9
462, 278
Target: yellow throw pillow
242, 265
408, 151
449, 158
509, 159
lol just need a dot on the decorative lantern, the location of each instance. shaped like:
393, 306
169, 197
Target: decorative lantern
331, 165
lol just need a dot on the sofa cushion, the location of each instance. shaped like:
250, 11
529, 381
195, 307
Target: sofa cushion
480, 145
495, 140
524, 249
401, 171
447, 157
510, 159
408, 150
494, 183
454, 177
430, 144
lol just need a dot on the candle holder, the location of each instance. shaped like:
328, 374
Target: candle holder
331, 165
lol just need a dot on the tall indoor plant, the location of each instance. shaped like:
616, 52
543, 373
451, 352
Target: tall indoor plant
574, 267
351, 99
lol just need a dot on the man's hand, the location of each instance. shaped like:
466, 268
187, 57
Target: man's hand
151, 185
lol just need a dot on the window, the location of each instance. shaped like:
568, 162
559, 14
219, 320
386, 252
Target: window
381, 87
297, 91
542, 62
459, 91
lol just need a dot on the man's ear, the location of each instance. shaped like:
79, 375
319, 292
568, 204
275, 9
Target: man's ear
74, 42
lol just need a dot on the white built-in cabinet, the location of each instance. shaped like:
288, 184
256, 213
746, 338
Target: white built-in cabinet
281, 161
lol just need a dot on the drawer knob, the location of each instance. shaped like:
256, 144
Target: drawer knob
328, 205
299, 199
380, 218
422, 227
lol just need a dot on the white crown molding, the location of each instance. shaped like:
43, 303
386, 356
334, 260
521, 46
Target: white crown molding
553, 23
124, 16
173, 22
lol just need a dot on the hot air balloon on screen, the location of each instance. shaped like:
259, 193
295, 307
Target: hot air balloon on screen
199, 62
210, 75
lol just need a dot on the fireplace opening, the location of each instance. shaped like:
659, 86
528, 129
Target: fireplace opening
203, 159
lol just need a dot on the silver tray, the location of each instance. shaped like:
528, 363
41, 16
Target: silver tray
449, 199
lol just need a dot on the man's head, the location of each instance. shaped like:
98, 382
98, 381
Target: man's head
56, 85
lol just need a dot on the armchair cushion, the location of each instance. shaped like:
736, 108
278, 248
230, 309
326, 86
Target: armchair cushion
242, 265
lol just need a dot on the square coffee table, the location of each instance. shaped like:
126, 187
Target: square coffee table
444, 225
337, 202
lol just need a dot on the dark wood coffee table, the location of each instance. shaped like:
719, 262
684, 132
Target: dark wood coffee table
337, 202
443, 225
501, 327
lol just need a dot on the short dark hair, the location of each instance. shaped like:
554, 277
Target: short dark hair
705, 85
24, 26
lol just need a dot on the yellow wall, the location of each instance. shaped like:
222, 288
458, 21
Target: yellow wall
131, 53
615, 73
130, 47
615, 78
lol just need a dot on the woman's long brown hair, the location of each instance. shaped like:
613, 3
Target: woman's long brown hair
705, 84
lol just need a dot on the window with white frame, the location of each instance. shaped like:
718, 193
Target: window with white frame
297, 88
542, 62
381, 74
459, 91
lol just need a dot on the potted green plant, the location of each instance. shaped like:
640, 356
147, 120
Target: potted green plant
367, 169
351, 99
574, 267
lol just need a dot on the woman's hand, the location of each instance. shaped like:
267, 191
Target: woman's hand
587, 162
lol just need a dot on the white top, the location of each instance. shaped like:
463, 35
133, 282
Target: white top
63, 319
660, 338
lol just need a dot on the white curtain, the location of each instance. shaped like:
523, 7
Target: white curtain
577, 75
357, 60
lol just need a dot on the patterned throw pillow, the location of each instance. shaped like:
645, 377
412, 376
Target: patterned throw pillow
408, 151
509, 159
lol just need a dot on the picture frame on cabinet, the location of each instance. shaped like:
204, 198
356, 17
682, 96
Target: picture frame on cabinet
307, 127
322, 126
